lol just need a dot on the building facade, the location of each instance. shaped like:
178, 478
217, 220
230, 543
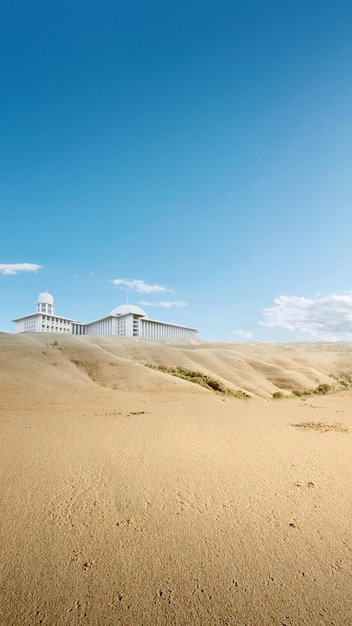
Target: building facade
126, 320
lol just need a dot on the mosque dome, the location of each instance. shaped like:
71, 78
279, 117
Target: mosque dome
126, 309
45, 298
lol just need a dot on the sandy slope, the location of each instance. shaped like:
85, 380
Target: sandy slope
131, 497
119, 363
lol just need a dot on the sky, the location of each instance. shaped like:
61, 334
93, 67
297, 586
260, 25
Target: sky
192, 157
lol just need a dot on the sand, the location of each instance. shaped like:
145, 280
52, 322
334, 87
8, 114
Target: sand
132, 497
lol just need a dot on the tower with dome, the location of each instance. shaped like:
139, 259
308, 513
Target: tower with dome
44, 320
45, 303
126, 320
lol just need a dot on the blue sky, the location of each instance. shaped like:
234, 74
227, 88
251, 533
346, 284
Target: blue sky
199, 151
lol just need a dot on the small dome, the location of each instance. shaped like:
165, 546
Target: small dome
45, 298
125, 309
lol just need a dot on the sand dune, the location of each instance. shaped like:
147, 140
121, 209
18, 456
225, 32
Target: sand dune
129, 496
119, 363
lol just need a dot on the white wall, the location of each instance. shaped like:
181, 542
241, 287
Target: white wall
38, 323
99, 327
152, 329
122, 325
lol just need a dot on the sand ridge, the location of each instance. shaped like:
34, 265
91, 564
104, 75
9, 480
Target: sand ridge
119, 363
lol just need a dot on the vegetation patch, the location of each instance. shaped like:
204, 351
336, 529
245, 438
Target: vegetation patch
324, 389
342, 384
204, 380
280, 394
322, 427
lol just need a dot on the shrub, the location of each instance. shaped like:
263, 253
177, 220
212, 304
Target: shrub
322, 389
343, 384
204, 380
279, 394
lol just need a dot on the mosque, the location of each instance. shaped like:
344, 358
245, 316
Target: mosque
126, 320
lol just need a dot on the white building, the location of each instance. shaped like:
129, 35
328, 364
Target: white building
126, 320
44, 320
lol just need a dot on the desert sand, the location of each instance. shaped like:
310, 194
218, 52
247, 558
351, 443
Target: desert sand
129, 496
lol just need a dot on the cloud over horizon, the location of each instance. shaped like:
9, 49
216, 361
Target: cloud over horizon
327, 318
8, 269
165, 305
139, 285
241, 334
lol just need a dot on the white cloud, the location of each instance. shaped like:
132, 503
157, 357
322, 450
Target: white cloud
14, 268
326, 318
241, 334
138, 285
165, 305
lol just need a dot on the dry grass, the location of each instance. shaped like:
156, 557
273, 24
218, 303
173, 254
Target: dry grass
322, 427
204, 380
280, 394
343, 383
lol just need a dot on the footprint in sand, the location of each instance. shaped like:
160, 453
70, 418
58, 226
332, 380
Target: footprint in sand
308, 485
